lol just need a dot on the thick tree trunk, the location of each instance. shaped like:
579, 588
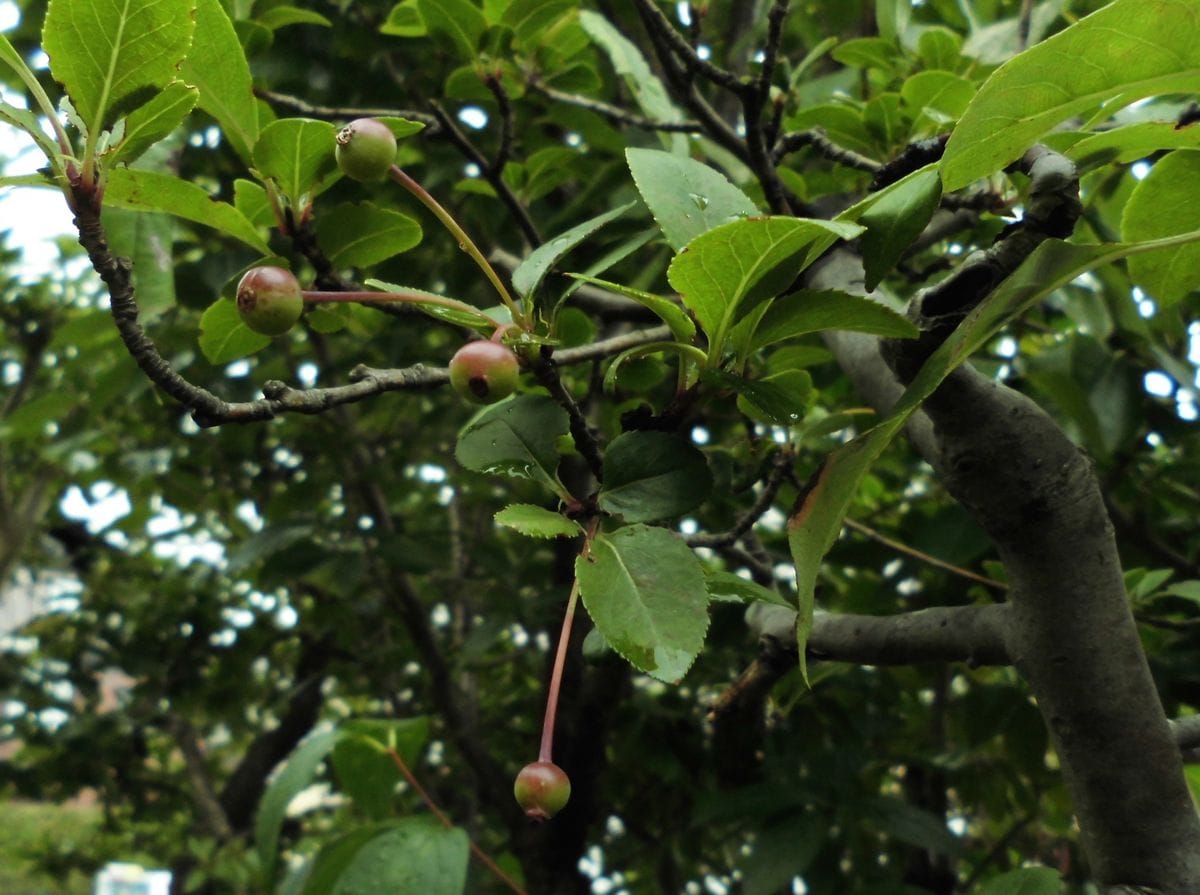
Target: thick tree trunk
1071, 633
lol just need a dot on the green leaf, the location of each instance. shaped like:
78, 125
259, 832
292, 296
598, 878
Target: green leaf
107, 55
644, 590
223, 336
724, 273
323, 870
1132, 142
537, 522
627, 60
1125, 49
361, 234
532, 270
1164, 204
685, 196
401, 127
145, 239
217, 65
155, 120
843, 125
911, 824
895, 221
297, 153
481, 321
935, 97
152, 191
461, 21
297, 773
416, 854
365, 771
30, 419
27, 121
728, 587
1026, 881
530, 18
517, 437
1000, 41
404, 21
815, 524
671, 314
266, 543
281, 16
252, 201
892, 17
867, 52
778, 400
653, 475
614, 255
781, 852
810, 311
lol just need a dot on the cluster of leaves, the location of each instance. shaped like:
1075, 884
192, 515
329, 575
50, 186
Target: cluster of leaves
346, 521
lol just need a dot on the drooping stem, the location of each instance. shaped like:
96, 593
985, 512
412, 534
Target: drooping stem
464, 241
483, 857
546, 751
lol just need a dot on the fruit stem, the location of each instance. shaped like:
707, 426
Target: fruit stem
560, 659
479, 853
464, 241
423, 298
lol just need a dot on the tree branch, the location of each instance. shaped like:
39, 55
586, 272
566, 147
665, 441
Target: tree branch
490, 173
213, 821
240, 795
780, 464
345, 113
824, 147
615, 114
1070, 632
545, 370
657, 21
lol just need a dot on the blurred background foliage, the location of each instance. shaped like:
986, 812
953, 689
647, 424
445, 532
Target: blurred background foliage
238, 581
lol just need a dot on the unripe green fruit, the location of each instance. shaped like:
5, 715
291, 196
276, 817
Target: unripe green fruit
269, 300
366, 149
484, 372
542, 788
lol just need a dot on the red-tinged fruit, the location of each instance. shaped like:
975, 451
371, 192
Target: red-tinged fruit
366, 149
269, 300
484, 372
542, 789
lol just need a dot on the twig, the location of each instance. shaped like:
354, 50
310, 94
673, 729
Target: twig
926, 558
212, 815
823, 146
775, 477
760, 570
341, 113
1186, 731
968, 885
464, 145
504, 105
912, 157
657, 20
775, 19
209, 410
116, 274
1052, 206
478, 852
760, 155
545, 370
1024, 22
685, 89
613, 113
